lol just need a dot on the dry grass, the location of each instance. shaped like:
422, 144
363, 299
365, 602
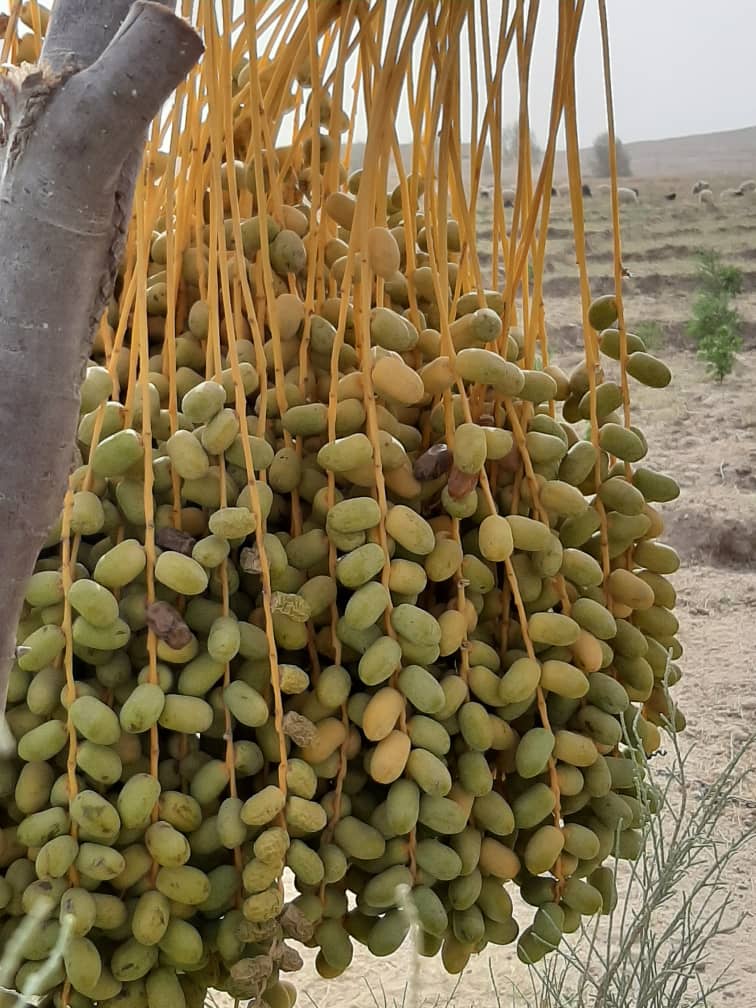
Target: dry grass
660, 240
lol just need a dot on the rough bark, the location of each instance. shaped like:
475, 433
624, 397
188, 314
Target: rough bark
74, 131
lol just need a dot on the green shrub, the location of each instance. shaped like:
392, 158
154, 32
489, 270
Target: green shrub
716, 277
716, 325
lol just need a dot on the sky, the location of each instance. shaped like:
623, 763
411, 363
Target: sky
679, 67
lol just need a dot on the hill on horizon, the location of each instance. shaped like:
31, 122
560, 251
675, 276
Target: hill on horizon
725, 153
729, 152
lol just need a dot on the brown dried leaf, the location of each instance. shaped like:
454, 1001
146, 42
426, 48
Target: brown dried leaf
432, 463
249, 560
288, 959
295, 924
174, 539
256, 968
240, 990
299, 728
167, 625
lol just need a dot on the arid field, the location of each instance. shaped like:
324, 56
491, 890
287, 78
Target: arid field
703, 433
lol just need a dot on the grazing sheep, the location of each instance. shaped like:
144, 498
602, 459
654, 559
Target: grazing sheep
706, 196
748, 186
729, 193
485, 194
670, 196
700, 186
626, 195
508, 195
564, 189
636, 191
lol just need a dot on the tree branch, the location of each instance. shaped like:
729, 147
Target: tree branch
82, 30
113, 101
65, 199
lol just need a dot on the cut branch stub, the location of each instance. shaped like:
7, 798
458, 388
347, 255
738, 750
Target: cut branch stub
114, 99
83, 29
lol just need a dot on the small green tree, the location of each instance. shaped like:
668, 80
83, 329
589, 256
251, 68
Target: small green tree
510, 144
601, 156
716, 326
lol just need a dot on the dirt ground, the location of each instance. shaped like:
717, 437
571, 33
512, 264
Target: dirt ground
704, 434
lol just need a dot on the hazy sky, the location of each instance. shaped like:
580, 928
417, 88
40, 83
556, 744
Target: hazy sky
678, 67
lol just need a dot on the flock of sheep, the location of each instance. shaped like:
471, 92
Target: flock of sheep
702, 189
626, 195
629, 194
